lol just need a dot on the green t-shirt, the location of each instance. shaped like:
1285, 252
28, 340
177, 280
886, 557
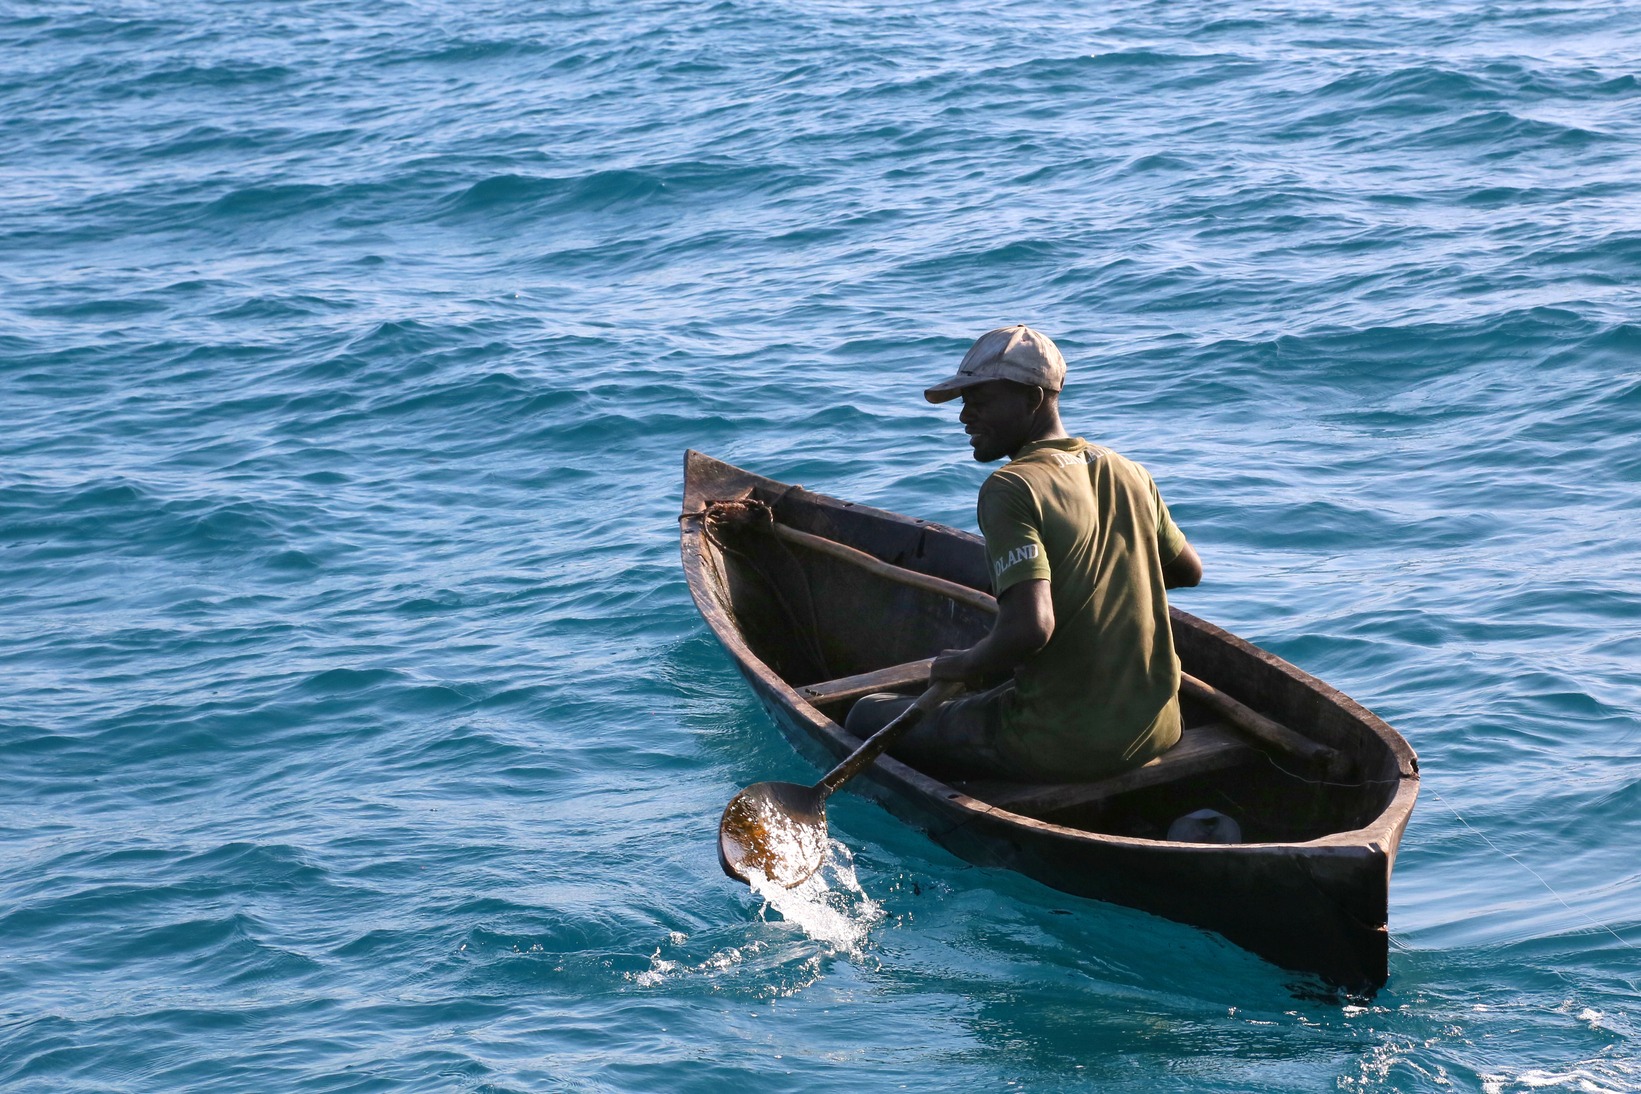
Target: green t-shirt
1102, 696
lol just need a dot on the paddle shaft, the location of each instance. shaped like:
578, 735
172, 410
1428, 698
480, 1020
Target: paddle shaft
875, 745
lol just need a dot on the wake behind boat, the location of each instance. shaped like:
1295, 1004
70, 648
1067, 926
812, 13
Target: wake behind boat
820, 602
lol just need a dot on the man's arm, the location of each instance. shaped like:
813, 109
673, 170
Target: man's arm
1025, 623
1184, 572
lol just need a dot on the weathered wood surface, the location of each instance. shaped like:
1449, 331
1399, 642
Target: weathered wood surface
1315, 900
846, 688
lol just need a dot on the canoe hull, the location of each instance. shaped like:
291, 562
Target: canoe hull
1316, 905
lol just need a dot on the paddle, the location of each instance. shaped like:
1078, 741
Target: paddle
778, 829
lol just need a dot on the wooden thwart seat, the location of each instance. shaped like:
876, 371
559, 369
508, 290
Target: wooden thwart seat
1201, 749
893, 678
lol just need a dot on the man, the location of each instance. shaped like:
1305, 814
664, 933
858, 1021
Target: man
1081, 548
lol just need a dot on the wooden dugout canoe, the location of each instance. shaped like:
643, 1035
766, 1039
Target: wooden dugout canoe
813, 625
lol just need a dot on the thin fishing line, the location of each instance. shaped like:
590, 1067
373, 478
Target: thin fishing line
1357, 785
1479, 834
1547, 888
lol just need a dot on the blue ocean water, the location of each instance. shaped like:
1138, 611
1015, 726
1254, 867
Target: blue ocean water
358, 731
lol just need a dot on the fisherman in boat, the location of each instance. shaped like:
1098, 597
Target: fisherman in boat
1081, 548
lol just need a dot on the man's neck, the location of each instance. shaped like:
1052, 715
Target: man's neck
1047, 427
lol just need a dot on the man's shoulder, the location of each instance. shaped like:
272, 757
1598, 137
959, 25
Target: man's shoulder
1005, 497
1085, 453
1050, 458
1040, 474
1003, 478
1005, 483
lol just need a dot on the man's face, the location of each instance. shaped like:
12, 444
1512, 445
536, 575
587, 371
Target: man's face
998, 418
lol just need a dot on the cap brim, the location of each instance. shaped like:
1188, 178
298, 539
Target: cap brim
947, 390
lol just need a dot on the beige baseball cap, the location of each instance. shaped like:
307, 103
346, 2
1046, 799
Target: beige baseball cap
1015, 353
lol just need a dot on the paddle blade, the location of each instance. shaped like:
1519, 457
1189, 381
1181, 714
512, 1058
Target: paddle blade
773, 831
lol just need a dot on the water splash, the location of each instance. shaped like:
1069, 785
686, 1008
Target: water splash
830, 907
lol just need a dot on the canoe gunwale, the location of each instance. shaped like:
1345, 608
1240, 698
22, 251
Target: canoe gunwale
1319, 906
1381, 835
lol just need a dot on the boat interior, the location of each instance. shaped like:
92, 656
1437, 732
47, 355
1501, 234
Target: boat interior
835, 632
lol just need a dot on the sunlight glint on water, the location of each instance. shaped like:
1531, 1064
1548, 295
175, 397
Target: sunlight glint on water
830, 906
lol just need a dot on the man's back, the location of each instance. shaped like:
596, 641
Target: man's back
1101, 695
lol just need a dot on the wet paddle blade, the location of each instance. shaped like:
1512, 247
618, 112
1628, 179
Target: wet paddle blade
774, 831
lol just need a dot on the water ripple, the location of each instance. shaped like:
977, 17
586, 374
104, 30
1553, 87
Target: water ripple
360, 731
